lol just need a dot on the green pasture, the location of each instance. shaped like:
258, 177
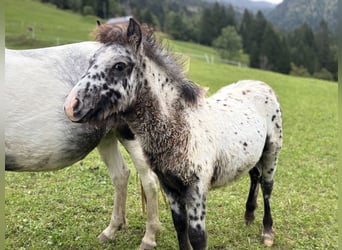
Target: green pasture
30, 23
67, 209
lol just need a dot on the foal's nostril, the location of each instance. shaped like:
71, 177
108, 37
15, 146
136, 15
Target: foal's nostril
75, 103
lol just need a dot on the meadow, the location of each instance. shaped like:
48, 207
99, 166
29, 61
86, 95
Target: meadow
67, 209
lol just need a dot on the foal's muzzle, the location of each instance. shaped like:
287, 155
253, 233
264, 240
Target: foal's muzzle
74, 108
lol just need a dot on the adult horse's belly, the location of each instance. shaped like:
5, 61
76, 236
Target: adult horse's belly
38, 135
45, 139
48, 145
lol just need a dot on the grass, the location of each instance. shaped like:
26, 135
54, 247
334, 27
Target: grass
67, 209
30, 23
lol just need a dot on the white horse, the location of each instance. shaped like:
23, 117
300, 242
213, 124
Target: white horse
192, 143
39, 137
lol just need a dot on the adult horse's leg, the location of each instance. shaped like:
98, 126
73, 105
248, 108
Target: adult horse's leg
149, 182
251, 203
119, 173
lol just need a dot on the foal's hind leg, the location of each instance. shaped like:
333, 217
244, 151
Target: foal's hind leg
269, 163
251, 203
119, 173
268, 234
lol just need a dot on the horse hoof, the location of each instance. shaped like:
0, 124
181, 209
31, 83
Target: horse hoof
147, 245
103, 238
249, 218
268, 240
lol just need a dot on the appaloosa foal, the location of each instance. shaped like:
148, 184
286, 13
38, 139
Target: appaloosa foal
191, 143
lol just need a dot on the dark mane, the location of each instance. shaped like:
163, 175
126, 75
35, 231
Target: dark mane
155, 51
110, 33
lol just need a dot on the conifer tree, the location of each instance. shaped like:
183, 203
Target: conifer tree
303, 48
273, 52
244, 30
257, 33
323, 43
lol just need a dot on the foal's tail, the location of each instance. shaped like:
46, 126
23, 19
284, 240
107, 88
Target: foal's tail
273, 142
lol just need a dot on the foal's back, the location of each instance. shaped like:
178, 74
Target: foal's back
234, 124
38, 136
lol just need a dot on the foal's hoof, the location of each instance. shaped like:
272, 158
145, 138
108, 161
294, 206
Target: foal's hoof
249, 218
268, 239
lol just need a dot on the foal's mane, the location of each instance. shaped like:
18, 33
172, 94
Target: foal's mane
154, 50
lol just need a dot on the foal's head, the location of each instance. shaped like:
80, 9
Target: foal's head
107, 87
116, 74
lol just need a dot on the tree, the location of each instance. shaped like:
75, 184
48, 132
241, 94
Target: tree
284, 61
146, 16
212, 21
273, 52
229, 43
325, 51
174, 25
245, 30
303, 49
116, 9
257, 30
75, 5
299, 71
206, 32
156, 8
101, 8
88, 10
266, 48
324, 74
322, 42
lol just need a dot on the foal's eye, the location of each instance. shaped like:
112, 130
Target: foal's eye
119, 66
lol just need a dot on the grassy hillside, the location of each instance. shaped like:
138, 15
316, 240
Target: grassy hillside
32, 24
68, 208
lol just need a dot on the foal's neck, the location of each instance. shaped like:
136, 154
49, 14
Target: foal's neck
157, 115
163, 86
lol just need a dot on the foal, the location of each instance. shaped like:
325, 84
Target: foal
191, 143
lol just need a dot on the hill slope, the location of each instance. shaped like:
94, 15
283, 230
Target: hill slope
31, 23
291, 13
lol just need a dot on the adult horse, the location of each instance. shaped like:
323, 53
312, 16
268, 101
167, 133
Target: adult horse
39, 137
192, 143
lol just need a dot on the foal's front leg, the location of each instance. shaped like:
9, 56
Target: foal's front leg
179, 217
188, 214
119, 173
196, 204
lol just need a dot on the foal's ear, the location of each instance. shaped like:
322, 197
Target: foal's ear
98, 22
134, 34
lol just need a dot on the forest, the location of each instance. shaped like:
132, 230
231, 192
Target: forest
301, 51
